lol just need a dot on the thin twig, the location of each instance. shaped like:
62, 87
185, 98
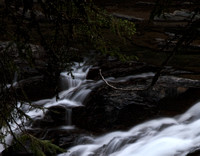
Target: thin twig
123, 89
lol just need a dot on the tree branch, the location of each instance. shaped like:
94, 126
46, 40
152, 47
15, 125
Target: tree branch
12, 133
123, 89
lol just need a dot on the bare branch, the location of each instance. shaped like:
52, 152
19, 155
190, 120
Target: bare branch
123, 89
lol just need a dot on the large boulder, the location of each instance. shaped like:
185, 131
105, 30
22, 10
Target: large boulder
108, 109
34, 88
116, 68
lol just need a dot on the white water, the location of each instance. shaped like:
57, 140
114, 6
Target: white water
75, 90
161, 137
73, 95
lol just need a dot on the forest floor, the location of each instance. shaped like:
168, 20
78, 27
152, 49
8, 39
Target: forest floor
151, 36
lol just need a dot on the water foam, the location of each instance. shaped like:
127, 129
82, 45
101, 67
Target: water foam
160, 137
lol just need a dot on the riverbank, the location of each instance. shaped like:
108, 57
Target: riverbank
149, 41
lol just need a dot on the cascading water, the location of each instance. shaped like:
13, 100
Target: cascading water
74, 92
162, 137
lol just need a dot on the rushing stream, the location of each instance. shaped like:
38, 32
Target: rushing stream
75, 89
161, 137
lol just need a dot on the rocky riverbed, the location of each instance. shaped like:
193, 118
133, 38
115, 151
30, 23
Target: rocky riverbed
106, 109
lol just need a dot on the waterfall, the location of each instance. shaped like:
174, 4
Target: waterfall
161, 137
75, 90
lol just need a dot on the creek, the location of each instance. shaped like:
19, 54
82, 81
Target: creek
161, 137
170, 136
165, 136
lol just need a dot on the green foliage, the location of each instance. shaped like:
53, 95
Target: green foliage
123, 28
37, 146
99, 25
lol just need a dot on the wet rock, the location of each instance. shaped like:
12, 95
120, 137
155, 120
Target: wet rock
63, 136
26, 67
173, 105
28, 81
108, 109
34, 88
119, 69
93, 73
55, 116
54, 126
